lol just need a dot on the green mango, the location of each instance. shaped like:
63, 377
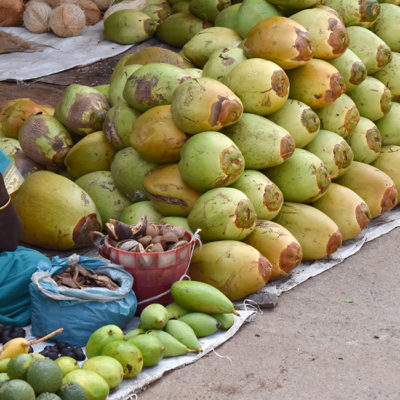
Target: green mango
226, 320
153, 316
172, 346
100, 337
175, 310
202, 324
182, 332
151, 348
107, 367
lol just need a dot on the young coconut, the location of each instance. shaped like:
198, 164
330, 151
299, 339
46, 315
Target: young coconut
132, 213
153, 85
67, 20
125, 5
316, 93
389, 76
375, 187
333, 150
228, 16
365, 141
41, 203
45, 140
278, 245
387, 26
100, 186
210, 159
155, 136
128, 169
328, 33
129, 27
222, 61
263, 143
266, 197
289, 44
223, 213
317, 233
179, 28
261, 85
118, 82
168, 192
36, 17
372, 98
371, 49
235, 268
204, 104
207, 10
389, 126
388, 162
302, 178
200, 47
158, 12
182, 6
299, 119
351, 68
355, 12
340, 117
295, 4
346, 208
251, 12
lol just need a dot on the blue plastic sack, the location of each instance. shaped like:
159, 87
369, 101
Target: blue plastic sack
80, 311
16, 269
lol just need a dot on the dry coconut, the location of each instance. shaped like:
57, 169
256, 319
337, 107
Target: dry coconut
11, 12
67, 20
103, 4
125, 5
36, 17
92, 12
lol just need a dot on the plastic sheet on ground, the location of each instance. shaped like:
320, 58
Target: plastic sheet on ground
59, 54
128, 387
305, 270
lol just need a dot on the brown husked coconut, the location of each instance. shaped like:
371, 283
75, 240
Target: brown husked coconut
36, 17
92, 12
125, 5
11, 12
67, 20
103, 4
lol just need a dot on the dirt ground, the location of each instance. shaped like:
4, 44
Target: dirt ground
334, 337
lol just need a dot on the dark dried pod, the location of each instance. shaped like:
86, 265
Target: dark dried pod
154, 248
152, 230
170, 237
145, 240
128, 245
118, 230
156, 239
178, 245
139, 229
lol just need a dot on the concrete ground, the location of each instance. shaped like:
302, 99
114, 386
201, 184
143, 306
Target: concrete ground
334, 337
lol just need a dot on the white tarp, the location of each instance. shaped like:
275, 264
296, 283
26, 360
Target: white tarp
59, 55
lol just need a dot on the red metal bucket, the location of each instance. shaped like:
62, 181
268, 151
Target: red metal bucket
153, 273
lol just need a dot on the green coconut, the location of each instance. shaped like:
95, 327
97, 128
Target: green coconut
387, 25
261, 85
157, 12
179, 28
222, 61
182, 6
128, 169
340, 117
204, 104
351, 68
101, 188
299, 119
129, 27
176, 221
133, 212
228, 16
82, 109
302, 178
153, 85
372, 98
295, 4
266, 197
208, 10
388, 126
200, 47
104, 90
371, 49
91, 153
45, 140
168, 192
333, 151
10, 146
118, 124
118, 82
223, 213
55, 212
194, 72
251, 12
263, 143
210, 159
365, 141
355, 12
389, 76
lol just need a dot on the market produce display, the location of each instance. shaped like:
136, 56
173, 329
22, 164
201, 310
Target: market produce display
272, 133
